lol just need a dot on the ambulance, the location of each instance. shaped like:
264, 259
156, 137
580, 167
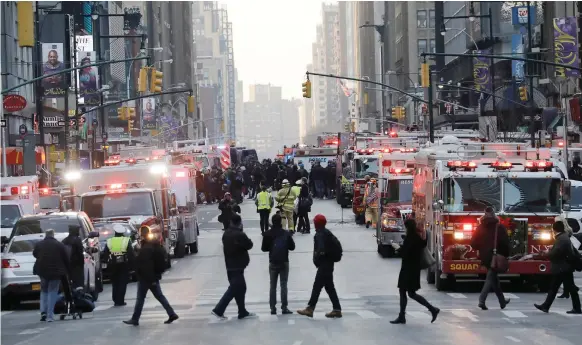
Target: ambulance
139, 193
455, 181
19, 197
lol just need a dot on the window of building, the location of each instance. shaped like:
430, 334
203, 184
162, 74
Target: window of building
431, 20
421, 20
422, 46
433, 46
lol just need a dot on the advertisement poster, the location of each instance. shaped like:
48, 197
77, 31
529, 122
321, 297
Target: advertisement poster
88, 78
149, 113
169, 127
566, 46
55, 86
517, 48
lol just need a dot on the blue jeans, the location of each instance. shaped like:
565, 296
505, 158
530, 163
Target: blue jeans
142, 291
237, 290
49, 293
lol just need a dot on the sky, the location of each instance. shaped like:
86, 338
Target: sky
272, 41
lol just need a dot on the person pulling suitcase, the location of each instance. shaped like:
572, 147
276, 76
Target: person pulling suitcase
119, 252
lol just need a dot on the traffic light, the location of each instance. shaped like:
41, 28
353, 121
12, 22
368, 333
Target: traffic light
523, 93
156, 81
424, 75
130, 113
122, 113
395, 112
306, 89
353, 126
142, 82
191, 104
129, 125
402, 113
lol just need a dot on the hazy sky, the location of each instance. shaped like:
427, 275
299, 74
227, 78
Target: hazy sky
272, 41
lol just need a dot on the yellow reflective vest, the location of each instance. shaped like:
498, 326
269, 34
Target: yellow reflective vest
264, 201
118, 245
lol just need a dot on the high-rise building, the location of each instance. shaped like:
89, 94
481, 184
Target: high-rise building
215, 66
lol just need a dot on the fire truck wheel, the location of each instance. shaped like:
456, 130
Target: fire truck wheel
194, 247
180, 250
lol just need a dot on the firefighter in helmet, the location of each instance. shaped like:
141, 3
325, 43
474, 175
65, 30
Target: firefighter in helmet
371, 202
119, 252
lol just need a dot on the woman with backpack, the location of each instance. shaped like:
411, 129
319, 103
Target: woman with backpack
303, 208
409, 278
565, 259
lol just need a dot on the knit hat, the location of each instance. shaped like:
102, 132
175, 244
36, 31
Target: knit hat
319, 221
489, 215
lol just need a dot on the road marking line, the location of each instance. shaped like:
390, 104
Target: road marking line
366, 314
418, 314
515, 340
510, 295
465, 313
33, 331
456, 295
291, 321
514, 313
513, 322
563, 313
7, 312
102, 307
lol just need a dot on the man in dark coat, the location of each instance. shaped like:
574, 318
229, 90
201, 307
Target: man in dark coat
278, 242
52, 263
228, 207
484, 241
150, 263
236, 245
323, 246
77, 258
562, 271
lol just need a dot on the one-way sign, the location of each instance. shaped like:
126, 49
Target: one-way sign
537, 118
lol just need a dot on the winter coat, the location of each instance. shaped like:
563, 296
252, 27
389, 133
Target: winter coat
411, 251
236, 245
228, 208
269, 239
52, 259
150, 262
558, 254
483, 240
321, 242
77, 260
305, 200
286, 201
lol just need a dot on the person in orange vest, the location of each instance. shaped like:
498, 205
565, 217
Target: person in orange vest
371, 196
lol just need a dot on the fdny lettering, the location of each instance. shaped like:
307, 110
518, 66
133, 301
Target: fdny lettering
464, 267
539, 248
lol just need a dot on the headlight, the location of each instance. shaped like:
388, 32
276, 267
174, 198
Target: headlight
542, 236
72, 175
459, 235
151, 235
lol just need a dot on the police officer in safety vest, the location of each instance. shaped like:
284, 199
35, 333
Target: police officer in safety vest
264, 202
119, 252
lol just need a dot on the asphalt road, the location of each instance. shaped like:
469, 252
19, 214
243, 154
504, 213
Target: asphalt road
365, 282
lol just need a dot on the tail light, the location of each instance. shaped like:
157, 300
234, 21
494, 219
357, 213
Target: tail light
401, 171
466, 165
14, 190
499, 165
23, 190
10, 263
538, 165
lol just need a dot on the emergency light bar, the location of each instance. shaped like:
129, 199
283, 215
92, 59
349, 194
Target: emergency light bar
401, 171
117, 186
538, 165
500, 165
17, 190
466, 165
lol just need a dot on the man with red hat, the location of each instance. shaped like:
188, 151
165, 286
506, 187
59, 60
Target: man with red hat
327, 250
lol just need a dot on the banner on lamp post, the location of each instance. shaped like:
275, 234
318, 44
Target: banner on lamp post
566, 46
482, 71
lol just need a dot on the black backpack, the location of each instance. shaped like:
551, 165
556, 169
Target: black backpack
280, 249
335, 251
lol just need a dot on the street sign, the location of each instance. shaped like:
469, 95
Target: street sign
14, 103
22, 129
537, 118
94, 122
3, 123
61, 123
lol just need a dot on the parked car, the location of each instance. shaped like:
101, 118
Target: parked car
106, 230
18, 281
60, 222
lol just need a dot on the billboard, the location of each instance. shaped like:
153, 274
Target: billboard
566, 46
149, 113
55, 86
88, 77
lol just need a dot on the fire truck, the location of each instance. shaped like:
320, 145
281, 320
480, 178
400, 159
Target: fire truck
138, 193
455, 181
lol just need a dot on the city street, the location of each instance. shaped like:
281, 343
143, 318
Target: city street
366, 284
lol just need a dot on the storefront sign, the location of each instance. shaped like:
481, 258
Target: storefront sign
52, 121
14, 103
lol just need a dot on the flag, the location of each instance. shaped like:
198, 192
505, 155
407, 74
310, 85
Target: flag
345, 88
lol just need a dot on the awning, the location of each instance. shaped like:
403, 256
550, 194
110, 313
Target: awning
14, 155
